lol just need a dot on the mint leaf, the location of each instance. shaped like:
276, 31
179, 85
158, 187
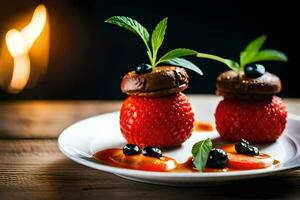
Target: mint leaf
158, 36
270, 55
256, 44
252, 53
200, 152
131, 25
243, 56
230, 63
251, 50
176, 53
184, 63
157, 39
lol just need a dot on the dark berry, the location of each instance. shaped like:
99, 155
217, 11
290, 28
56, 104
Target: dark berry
152, 152
245, 142
217, 158
254, 71
243, 147
143, 69
252, 151
131, 149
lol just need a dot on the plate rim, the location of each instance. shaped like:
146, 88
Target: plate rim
89, 162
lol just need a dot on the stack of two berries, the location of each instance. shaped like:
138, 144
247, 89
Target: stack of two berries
250, 110
156, 113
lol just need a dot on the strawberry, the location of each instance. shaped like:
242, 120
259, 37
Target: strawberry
256, 121
156, 121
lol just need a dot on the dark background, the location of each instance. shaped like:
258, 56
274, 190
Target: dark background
88, 57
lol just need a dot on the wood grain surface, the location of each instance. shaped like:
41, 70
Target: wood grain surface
32, 167
47, 119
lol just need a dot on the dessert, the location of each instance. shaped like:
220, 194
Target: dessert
250, 108
156, 113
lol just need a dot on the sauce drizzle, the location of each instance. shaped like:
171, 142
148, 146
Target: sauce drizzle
237, 162
203, 126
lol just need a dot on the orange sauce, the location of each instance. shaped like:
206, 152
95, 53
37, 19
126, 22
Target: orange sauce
117, 158
237, 162
203, 126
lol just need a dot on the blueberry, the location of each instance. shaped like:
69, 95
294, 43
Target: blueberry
245, 142
253, 151
152, 152
243, 147
131, 149
217, 158
254, 71
143, 69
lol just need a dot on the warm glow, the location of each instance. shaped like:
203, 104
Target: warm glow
15, 43
32, 31
21, 73
19, 44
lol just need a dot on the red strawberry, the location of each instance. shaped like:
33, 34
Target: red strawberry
157, 121
256, 121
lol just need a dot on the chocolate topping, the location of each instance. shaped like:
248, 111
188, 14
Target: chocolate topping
231, 84
162, 81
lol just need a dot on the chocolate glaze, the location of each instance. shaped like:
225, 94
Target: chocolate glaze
162, 81
232, 84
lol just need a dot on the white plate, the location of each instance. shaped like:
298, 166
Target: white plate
81, 140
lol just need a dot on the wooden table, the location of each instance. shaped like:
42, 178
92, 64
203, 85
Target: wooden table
32, 167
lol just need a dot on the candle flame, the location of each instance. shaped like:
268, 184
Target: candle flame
19, 44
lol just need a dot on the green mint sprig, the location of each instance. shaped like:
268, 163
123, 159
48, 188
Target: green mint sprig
200, 152
251, 54
173, 57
